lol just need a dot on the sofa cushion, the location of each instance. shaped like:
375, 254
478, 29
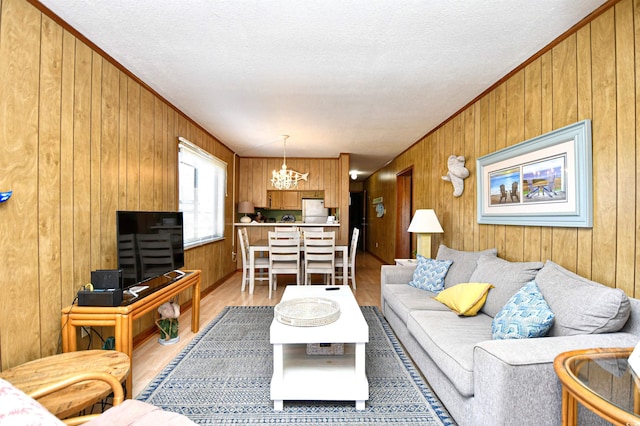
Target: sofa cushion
402, 299
581, 306
464, 263
507, 278
524, 316
449, 340
429, 274
465, 298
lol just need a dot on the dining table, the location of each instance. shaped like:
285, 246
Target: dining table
262, 246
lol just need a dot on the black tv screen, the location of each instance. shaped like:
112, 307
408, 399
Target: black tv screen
150, 244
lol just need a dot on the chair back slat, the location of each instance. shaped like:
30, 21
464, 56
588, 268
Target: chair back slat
284, 255
319, 253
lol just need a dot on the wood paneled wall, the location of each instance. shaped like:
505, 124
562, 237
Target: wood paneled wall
591, 74
79, 139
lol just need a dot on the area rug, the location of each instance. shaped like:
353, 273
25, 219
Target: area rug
223, 377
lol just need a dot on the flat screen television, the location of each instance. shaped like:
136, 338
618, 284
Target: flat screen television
150, 244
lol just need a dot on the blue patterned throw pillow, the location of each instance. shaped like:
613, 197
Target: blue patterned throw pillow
429, 274
525, 315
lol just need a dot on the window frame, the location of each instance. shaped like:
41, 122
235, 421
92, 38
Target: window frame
201, 158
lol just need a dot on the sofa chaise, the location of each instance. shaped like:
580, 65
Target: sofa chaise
484, 380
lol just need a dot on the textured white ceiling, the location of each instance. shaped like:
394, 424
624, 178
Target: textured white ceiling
365, 77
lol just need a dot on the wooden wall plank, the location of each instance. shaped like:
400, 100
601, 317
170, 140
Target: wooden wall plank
636, 17
109, 155
49, 230
604, 147
626, 147
500, 142
146, 157
95, 161
133, 164
532, 128
20, 68
159, 149
514, 235
477, 149
122, 141
82, 165
68, 289
467, 209
583, 51
546, 65
565, 106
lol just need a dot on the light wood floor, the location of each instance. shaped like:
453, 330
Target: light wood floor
149, 358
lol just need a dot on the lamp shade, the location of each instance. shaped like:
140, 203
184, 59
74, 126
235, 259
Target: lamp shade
246, 207
425, 221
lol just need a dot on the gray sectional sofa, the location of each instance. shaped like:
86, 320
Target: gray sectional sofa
483, 381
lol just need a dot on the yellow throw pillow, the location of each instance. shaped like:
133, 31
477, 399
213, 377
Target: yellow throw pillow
466, 298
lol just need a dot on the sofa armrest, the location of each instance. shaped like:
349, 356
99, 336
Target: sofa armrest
544, 350
396, 274
508, 372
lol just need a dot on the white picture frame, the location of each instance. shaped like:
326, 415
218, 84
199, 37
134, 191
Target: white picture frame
544, 181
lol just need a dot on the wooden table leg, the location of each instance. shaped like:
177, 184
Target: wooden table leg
569, 409
124, 343
195, 308
69, 341
252, 271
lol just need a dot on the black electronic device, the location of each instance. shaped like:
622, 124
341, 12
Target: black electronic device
149, 244
107, 278
100, 297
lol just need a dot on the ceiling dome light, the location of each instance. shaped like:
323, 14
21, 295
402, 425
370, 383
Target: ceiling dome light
353, 174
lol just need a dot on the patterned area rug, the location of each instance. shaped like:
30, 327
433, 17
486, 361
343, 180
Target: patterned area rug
224, 375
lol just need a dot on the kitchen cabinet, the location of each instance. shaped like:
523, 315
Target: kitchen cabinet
312, 194
284, 200
253, 181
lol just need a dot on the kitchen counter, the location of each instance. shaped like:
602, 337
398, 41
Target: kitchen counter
300, 224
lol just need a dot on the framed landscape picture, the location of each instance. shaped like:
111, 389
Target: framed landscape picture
544, 181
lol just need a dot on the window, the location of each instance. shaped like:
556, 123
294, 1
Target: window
203, 183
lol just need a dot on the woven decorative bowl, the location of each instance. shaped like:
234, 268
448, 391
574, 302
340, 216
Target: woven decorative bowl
307, 312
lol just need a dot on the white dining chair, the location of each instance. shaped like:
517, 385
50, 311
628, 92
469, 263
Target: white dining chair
261, 264
319, 255
286, 229
351, 260
312, 228
284, 256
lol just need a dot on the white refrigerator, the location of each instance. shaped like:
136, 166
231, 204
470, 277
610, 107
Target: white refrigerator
314, 211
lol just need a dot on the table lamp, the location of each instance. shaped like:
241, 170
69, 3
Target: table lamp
424, 223
246, 207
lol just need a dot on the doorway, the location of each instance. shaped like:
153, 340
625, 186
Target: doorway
357, 217
404, 185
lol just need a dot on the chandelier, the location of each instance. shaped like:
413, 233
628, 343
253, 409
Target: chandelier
285, 178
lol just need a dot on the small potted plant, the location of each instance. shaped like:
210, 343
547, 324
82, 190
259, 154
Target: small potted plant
168, 323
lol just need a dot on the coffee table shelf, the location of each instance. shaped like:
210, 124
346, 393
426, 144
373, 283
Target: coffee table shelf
310, 376
298, 376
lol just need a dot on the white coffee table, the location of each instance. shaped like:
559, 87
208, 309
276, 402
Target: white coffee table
298, 376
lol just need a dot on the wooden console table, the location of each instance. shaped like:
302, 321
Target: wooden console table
121, 317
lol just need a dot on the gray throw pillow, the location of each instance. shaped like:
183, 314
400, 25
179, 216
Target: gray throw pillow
507, 278
464, 263
581, 306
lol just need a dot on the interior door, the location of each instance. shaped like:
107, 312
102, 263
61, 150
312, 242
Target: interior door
404, 181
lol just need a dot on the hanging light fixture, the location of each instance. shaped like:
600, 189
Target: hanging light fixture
285, 178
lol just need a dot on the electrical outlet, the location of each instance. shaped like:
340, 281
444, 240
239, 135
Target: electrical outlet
84, 331
376, 245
